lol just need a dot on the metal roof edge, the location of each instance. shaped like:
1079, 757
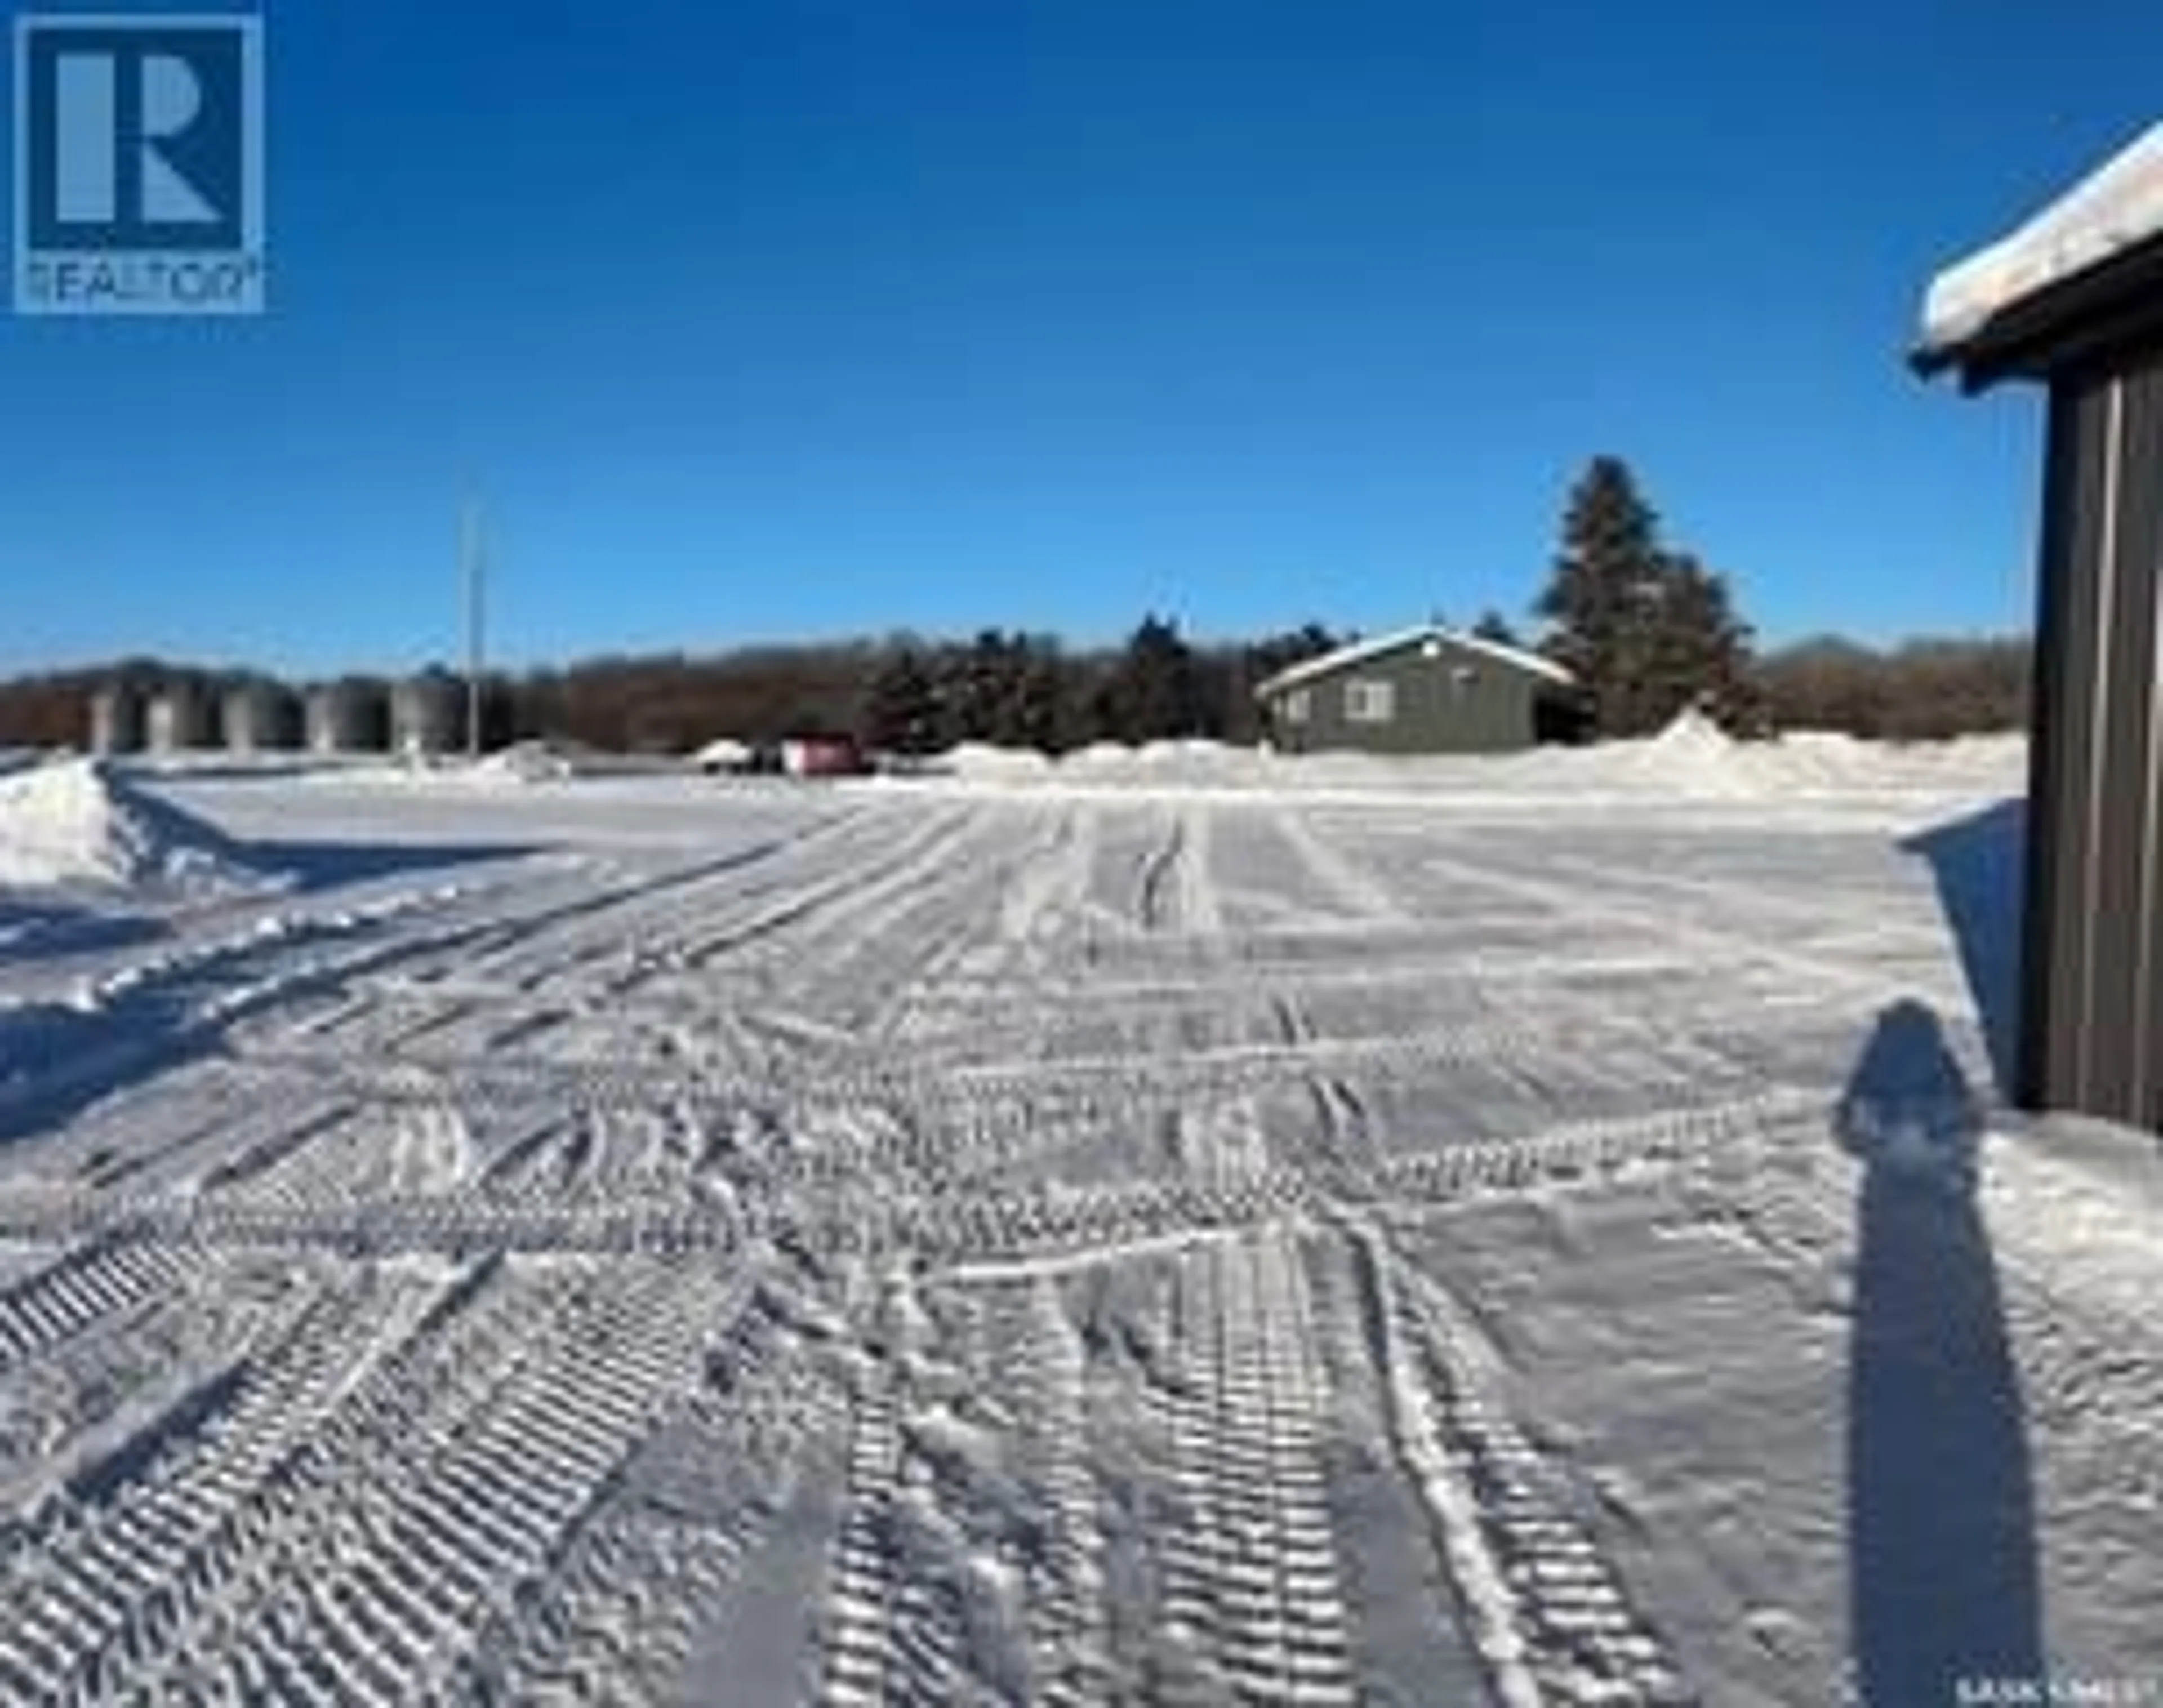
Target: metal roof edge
1381, 646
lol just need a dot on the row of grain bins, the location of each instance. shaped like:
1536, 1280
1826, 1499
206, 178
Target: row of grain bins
423, 713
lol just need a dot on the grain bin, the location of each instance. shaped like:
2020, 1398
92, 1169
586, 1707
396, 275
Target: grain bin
183, 719
119, 719
352, 716
262, 717
428, 714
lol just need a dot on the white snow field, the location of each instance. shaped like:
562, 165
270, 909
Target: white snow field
1179, 1228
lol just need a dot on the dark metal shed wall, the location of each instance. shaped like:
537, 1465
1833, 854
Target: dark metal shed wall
2093, 987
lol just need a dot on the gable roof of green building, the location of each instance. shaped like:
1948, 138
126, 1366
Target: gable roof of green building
1359, 653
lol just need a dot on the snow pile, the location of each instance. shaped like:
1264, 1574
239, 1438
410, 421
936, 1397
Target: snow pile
1098, 756
1192, 751
1693, 755
527, 762
982, 760
1821, 761
1192, 759
78, 821
1826, 760
725, 753
1692, 759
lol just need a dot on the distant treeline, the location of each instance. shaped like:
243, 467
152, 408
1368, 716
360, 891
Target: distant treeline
1922, 691
911, 693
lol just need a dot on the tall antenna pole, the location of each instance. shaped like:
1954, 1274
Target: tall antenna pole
470, 556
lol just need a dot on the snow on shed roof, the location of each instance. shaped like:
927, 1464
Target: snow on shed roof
2120, 207
1359, 652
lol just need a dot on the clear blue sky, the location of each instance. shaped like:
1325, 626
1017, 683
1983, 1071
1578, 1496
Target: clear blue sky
768, 318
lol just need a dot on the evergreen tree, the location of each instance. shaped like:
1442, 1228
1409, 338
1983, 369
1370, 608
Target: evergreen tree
973, 703
1041, 699
1699, 654
1494, 627
901, 706
1646, 632
1602, 598
1155, 690
1266, 657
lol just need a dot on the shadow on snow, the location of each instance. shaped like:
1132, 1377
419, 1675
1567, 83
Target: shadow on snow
1976, 861
44, 930
1942, 1573
314, 867
57, 1059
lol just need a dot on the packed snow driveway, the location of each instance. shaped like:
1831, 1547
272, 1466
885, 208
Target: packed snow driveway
643, 1240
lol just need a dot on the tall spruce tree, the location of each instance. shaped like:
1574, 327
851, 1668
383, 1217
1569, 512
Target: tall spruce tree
1494, 627
1647, 631
1602, 596
1700, 653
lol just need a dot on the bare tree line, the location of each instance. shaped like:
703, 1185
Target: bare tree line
911, 693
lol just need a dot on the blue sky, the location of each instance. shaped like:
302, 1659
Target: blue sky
777, 318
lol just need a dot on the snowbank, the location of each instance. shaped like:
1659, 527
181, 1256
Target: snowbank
1098, 755
1692, 756
980, 759
1691, 760
725, 753
1193, 749
526, 762
79, 821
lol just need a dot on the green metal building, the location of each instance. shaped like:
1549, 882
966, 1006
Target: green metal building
1429, 689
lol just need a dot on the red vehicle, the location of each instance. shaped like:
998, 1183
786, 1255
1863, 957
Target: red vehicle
822, 756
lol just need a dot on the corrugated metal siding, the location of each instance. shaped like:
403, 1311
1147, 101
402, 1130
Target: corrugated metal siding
1492, 714
2093, 987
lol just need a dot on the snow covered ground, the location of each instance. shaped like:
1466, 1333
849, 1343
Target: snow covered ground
1176, 1227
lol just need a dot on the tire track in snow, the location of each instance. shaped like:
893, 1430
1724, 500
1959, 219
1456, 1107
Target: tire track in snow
186, 1003
88, 1287
475, 1327
565, 936
1716, 947
946, 1227
1340, 878
1042, 1354
1153, 904
1049, 894
863, 1663
623, 1614
106, 1587
1031, 877
1680, 1063
1547, 1613
430, 1151
837, 904
1250, 1584
438, 1536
